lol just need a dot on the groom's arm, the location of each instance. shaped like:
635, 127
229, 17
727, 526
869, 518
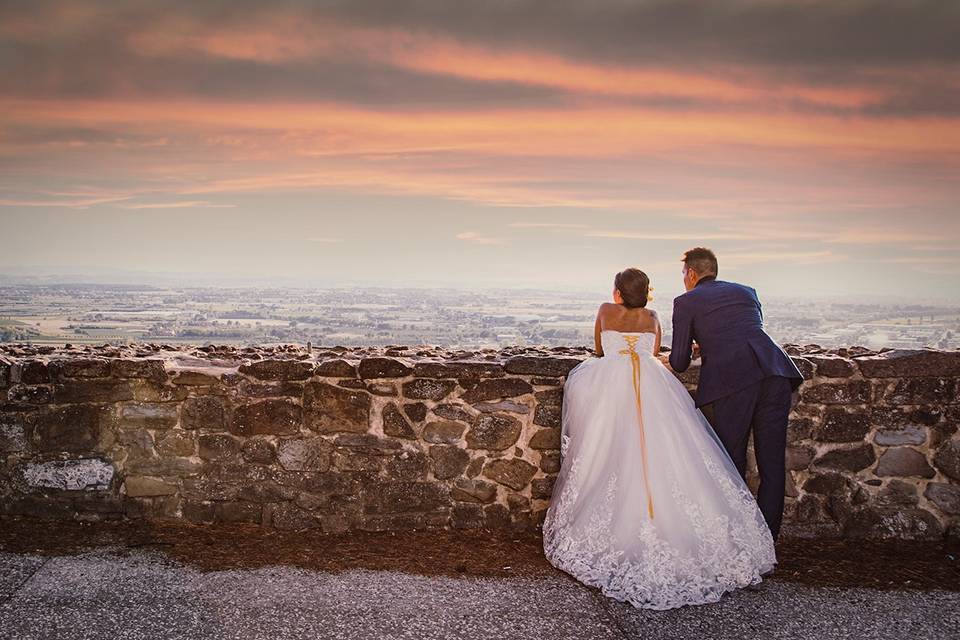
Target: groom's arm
681, 346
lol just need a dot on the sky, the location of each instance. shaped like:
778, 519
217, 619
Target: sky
814, 146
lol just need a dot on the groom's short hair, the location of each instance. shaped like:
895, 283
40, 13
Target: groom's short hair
701, 260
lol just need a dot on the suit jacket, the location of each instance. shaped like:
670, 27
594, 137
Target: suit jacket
726, 320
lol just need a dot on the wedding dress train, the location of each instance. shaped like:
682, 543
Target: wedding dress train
648, 506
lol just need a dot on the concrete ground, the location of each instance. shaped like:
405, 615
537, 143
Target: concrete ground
121, 593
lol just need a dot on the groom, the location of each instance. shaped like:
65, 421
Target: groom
746, 380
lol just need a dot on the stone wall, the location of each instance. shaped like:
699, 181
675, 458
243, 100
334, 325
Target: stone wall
397, 437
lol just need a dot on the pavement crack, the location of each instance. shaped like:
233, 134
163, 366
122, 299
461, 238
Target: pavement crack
4, 600
604, 604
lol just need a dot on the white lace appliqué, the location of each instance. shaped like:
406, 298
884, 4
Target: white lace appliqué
731, 551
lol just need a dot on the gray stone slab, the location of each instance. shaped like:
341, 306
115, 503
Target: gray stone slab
118, 593
789, 610
15, 569
145, 595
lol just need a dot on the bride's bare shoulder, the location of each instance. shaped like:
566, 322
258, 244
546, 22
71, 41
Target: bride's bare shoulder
606, 308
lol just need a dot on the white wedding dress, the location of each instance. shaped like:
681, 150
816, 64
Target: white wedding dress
648, 506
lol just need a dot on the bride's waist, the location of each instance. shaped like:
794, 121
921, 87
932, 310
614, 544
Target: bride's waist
640, 354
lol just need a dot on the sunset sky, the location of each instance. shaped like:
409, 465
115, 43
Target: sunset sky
815, 146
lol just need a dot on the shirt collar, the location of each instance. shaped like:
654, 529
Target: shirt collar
704, 279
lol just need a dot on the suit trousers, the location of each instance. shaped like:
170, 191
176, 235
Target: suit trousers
764, 408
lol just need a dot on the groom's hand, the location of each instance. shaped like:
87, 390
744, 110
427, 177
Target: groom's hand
695, 354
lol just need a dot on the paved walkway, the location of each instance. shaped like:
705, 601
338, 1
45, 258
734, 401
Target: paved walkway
119, 593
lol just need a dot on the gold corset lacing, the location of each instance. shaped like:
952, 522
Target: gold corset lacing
635, 363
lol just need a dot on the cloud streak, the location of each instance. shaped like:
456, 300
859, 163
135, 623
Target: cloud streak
831, 129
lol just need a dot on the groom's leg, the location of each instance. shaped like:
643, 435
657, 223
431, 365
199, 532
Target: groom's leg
731, 417
769, 443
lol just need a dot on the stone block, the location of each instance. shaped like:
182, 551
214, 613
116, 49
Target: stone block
272, 416
903, 462
846, 459
459, 369
541, 365
448, 461
84, 390
82, 474
305, 454
513, 472
947, 459
218, 446
141, 486
335, 368
545, 439
381, 367
910, 363
850, 392
151, 415
206, 413
832, 366
278, 369
443, 432
428, 389
395, 423
908, 434
496, 388
840, 425
893, 523
259, 451
76, 428
945, 496
493, 431
329, 408
473, 490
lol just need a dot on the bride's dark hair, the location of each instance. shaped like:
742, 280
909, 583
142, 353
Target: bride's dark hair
634, 287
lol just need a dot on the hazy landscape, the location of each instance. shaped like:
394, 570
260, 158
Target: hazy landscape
81, 313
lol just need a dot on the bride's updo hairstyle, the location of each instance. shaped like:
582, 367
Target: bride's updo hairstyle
634, 287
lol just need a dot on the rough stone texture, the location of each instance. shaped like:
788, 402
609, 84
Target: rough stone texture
141, 486
443, 432
904, 461
497, 388
278, 369
401, 437
153, 415
276, 417
428, 389
204, 412
947, 459
82, 474
305, 454
514, 473
908, 434
328, 408
378, 367
831, 366
448, 461
910, 363
945, 496
494, 431
395, 424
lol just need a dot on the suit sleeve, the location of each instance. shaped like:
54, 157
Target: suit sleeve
681, 346
757, 299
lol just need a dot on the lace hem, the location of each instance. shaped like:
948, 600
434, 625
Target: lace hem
730, 555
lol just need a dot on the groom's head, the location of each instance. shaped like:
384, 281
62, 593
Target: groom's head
697, 263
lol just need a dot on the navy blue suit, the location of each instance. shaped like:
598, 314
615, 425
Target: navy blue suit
746, 380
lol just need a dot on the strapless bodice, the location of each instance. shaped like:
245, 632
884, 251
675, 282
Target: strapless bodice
614, 341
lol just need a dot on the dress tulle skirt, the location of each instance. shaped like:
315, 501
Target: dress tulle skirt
686, 531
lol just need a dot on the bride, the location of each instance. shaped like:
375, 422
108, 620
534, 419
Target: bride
647, 506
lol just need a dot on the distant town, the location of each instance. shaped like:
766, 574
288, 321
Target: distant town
120, 314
